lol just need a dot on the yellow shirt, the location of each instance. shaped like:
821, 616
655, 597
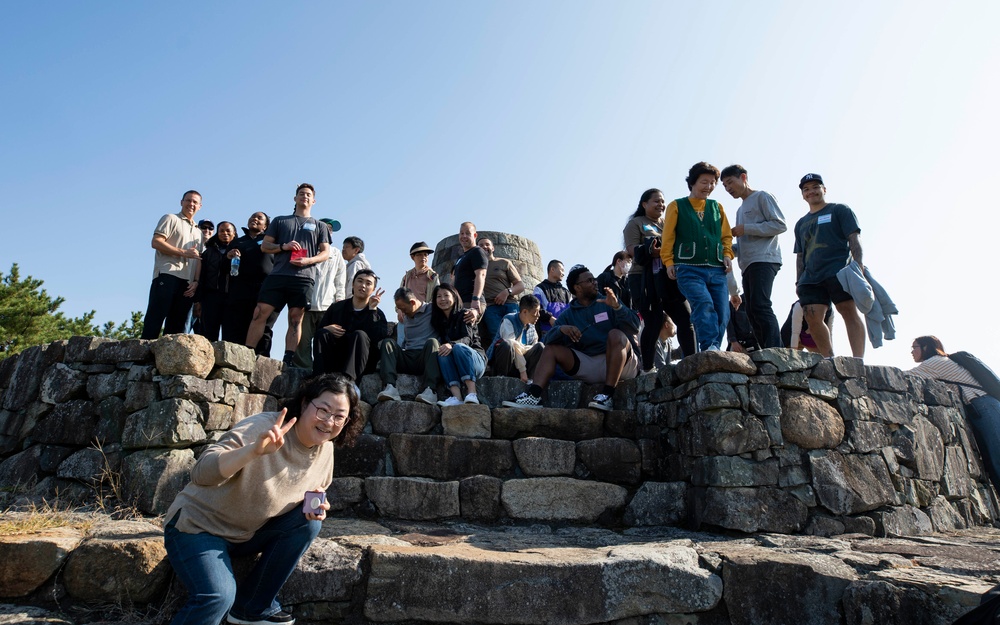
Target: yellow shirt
670, 229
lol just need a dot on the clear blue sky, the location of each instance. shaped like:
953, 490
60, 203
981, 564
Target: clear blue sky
545, 119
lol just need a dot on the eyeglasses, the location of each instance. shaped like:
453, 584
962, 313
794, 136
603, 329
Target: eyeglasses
327, 415
591, 279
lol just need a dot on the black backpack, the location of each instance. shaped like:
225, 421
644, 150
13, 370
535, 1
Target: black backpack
988, 381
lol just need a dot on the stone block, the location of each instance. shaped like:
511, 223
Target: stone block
167, 423
28, 560
128, 350
249, 404
265, 375
764, 586
102, 385
884, 378
232, 376
809, 422
71, 423
22, 469
848, 367
763, 509
713, 397
701, 363
561, 499
83, 349
853, 388
191, 388
232, 356
724, 432
850, 484
902, 521
616, 460
60, 384
327, 572
793, 476
413, 498
479, 498
151, 479
367, 457
565, 394
51, 456
944, 517
122, 560
467, 420
825, 371
733, 471
794, 380
867, 436
822, 389
218, 417
493, 390
764, 400
140, 395
573, 425
141, 373
344, 492
955, 480
184, 354
929, 449
91, 466
545, 457
26, 374
409, 386
893, 407
624, 423
658, 503
785, 360
404, 417
860, 409
619, 584
450, 458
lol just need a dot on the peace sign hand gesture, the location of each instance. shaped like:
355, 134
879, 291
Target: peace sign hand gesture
272, 440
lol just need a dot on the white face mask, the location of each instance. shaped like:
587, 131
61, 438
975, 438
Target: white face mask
626, 266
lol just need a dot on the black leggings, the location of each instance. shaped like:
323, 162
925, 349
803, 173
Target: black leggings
666, 300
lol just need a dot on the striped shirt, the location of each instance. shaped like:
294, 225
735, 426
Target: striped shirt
945, 369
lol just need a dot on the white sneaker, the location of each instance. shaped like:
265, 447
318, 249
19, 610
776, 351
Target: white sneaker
451, 401
471, 398
428, 396
389, 393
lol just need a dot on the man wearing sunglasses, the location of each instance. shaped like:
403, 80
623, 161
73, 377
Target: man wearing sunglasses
593, 340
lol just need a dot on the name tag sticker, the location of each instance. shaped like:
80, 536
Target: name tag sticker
308, 226
824, 219
599, 317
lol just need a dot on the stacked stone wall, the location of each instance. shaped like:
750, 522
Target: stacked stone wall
779, 441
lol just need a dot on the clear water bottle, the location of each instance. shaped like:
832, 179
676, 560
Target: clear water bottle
234, 266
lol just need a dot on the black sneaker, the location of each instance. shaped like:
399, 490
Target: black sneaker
524, 400
279, 618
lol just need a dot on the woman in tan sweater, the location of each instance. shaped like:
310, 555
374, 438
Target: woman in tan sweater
259, 489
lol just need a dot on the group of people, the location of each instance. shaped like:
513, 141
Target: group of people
673, 277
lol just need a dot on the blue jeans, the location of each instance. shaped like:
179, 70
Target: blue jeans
984, 417
492, 317
463, 363
203, 564
706, 291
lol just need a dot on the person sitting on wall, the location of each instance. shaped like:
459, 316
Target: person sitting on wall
259, 490
349, 329
553, 295
515, 350
591, 341
418, 353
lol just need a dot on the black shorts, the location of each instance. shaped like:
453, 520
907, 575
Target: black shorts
293, 291
826, 292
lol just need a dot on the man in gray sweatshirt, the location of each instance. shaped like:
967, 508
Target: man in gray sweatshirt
758, 223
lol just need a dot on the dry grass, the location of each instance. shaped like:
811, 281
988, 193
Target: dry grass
40, 517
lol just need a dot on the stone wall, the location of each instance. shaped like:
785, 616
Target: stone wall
781, 441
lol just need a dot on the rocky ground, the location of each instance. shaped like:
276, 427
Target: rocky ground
367, 572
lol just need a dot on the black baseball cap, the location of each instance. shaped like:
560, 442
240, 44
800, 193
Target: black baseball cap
204, 223
810, 178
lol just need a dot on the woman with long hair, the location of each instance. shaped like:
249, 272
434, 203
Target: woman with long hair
259, 490
653, 293
981, 409
460, 356
614, 277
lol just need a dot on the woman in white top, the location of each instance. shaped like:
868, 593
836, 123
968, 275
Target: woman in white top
981, 409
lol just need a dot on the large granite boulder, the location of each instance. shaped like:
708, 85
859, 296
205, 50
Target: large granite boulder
184, 354
809, 422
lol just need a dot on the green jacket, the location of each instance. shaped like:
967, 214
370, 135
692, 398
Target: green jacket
698, 241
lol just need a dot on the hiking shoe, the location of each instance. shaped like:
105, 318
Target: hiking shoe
524, 400
451, 401
602, 402
279, 618
471, 398
389, 394
428, 396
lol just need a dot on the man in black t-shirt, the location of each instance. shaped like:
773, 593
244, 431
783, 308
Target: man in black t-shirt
826, 239
298, 242
468, 275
